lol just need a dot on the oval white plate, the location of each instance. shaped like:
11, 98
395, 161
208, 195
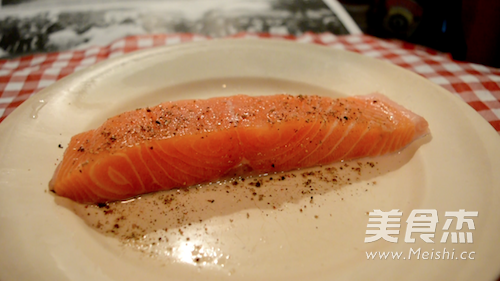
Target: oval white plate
455, 169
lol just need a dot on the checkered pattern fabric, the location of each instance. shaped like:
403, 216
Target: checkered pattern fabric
477, 85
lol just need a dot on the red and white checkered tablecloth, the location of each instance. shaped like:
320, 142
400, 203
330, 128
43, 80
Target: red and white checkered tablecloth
477, 85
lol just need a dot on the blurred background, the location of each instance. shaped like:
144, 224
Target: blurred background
467, 29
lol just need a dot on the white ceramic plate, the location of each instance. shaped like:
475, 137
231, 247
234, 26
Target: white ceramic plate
457, 168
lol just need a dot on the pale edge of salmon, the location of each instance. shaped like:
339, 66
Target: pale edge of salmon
421, 125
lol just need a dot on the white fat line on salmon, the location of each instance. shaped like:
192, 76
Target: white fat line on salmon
356, 143
330, 131
85, 190
230, 109
176, 168
326, 136
389, 144
332, 127
397, 140
375, 145
102, 186
284, 152
145, 164
408, 132
235, 120
155, 151
133, 169
346, 132
386, 112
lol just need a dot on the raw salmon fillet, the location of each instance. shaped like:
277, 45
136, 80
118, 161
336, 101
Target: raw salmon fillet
183, 143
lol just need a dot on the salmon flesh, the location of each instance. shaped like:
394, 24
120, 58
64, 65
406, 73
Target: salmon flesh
183, 143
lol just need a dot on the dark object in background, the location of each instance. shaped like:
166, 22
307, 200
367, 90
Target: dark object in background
436, 24
481, 21
468, 29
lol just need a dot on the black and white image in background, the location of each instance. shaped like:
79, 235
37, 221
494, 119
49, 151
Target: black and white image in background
40, 26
